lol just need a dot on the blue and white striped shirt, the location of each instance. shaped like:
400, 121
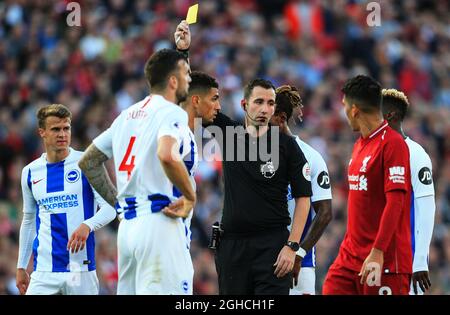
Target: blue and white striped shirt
62, 198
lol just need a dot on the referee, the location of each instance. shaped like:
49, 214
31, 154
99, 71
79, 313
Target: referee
256, 252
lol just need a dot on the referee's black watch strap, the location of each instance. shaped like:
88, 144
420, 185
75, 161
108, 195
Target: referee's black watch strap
185, 52
293, 245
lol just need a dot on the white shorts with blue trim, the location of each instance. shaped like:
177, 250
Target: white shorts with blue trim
306, 282
411, 289
153, 256
63, 283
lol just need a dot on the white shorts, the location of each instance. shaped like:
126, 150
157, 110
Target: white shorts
411, 289
63, 283
306, 282
153, 256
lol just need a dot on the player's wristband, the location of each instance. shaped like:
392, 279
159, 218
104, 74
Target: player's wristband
301, 252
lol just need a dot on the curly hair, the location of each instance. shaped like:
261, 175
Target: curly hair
395, 100
287, 99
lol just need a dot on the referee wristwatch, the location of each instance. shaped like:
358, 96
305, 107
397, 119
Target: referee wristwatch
293, 245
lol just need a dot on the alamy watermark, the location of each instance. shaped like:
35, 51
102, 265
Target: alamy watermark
74, 17
374, 17
236, 144
374, 278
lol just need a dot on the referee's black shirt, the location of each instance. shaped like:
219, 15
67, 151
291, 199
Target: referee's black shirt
255, 197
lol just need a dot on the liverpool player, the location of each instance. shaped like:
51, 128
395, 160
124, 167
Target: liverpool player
375, 256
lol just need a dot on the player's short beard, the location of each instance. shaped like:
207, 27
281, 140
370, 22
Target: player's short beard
181, 96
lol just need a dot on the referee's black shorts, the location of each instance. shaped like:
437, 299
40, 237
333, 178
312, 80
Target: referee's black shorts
245, 264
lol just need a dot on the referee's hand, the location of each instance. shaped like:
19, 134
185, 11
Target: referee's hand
285, 262
182, 36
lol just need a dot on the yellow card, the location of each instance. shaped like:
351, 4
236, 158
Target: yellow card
191, 17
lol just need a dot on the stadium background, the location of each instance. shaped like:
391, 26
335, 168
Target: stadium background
97, 71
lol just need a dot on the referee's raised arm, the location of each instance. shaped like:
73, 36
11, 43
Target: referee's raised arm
256, 252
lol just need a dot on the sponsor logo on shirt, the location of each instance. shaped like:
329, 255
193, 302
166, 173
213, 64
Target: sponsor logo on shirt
363, 183
268, 170
364, 164
397, 174
357, 182
425, 176
323, 180
59, 202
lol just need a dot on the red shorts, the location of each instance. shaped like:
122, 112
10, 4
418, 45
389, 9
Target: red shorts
343, 281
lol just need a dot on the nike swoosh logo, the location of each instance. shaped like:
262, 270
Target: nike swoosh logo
37, 181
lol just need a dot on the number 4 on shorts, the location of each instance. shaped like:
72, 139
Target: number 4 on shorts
128, 167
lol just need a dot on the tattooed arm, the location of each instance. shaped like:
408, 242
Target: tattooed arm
92, 165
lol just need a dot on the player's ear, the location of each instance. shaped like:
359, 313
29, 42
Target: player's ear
195, 100
173, 82
354, 111
389, 116
41, 132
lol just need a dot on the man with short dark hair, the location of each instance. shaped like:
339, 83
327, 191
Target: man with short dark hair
58, 202
256, 253
203, 98
162, 67
423, 206
375, 256
149, 142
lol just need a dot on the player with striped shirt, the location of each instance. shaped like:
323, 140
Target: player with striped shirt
289, 101
423, 207
58, 202
155, 193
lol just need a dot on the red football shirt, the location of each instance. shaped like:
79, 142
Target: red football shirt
379, 164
